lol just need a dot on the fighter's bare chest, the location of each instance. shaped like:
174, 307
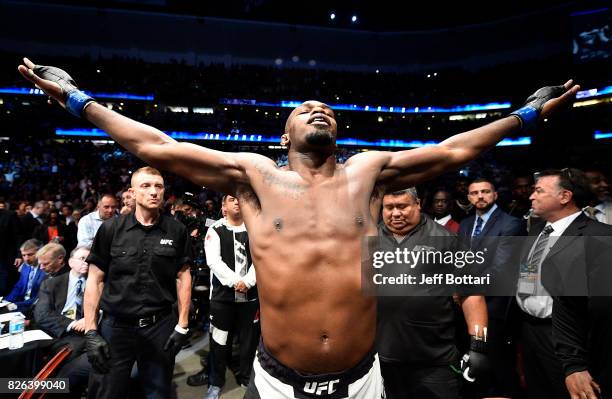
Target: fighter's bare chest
332, 207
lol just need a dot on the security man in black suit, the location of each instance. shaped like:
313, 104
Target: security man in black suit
139, 267
556, 266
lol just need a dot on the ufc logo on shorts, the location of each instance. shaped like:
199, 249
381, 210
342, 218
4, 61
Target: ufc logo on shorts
318, 388
165, 241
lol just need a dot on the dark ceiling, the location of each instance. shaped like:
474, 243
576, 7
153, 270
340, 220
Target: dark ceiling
377, 15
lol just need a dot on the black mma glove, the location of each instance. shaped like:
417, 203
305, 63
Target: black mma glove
528, 114
98, 351
177, 339
475, 363
76, 100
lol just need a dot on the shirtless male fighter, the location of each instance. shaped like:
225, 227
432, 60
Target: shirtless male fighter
306, 223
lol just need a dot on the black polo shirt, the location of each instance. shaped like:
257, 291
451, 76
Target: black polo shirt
140, 264
417, 330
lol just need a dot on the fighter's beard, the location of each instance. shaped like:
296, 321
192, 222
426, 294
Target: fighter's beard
320, 137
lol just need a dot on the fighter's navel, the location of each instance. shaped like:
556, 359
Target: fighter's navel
359, 221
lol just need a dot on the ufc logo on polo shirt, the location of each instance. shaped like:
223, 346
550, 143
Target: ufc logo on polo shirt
318, 388
165, 241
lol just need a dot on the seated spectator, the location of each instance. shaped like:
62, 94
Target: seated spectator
25, 292
51, 260
59, 312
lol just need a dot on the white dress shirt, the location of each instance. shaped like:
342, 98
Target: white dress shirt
444, 220
88, 227
540, 305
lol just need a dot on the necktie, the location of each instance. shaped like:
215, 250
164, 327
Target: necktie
528, 280
79, 299
31, 277
540, 246
478, 228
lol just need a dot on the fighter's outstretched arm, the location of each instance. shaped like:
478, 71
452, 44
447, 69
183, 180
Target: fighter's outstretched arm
406, 168
206, 167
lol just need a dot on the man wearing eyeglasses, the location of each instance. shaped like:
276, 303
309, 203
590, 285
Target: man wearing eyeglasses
556, 265
59, 312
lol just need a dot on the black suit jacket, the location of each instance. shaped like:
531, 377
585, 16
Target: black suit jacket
51, 300
48, 314
29, 225
501, 256
10, 239
41, 232
582, 325
574, 264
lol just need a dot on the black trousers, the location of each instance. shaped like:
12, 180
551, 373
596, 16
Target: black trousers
409, 382
143, 346
230, 319
77, 371
503, 378
543, 370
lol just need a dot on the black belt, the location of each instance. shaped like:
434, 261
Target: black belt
141, 322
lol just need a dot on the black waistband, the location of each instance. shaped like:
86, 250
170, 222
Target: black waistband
327, 386
138, 321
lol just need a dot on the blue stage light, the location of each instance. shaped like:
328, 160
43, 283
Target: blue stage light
598, 135
38, 92
260, 138
380, 108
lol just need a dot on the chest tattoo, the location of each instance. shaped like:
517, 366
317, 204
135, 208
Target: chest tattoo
271, 178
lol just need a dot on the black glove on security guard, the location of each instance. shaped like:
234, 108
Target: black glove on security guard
98, 351
475, 363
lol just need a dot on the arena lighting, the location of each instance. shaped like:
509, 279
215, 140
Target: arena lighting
373, 108
599, 135
332, 16
259, 138
594, 92
587, 103
38, 92
586, 12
